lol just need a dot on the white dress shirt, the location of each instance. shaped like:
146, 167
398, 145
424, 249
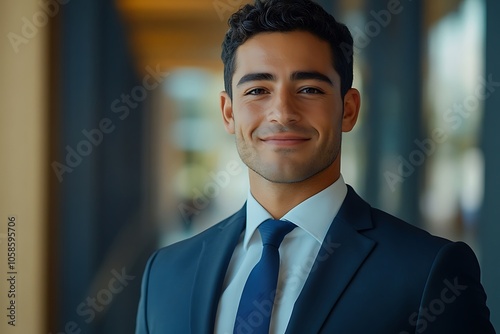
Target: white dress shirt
298, 251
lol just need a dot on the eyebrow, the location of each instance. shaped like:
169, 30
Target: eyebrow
312, 75
256, 77
295, 76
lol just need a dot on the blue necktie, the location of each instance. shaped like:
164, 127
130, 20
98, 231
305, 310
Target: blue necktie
257, 299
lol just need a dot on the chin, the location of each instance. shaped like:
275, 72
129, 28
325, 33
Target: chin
282, 176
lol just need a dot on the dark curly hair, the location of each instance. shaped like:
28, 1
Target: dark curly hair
286, 16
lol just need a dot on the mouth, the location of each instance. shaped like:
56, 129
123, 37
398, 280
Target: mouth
285, 139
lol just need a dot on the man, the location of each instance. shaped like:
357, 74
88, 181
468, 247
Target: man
344, 267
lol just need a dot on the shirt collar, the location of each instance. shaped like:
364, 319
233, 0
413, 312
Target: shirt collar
314, 215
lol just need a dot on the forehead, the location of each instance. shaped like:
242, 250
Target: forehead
284, 52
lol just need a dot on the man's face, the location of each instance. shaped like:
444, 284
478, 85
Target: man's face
286, 111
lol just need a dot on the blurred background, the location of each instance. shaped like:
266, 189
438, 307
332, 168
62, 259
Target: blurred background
112, 146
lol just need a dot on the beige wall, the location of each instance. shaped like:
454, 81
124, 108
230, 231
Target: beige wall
23, 101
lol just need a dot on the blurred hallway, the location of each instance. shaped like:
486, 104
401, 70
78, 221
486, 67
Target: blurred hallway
112, 144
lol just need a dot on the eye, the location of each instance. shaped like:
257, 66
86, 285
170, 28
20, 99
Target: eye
310, 90
256, 91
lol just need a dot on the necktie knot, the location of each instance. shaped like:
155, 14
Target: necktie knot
273, 231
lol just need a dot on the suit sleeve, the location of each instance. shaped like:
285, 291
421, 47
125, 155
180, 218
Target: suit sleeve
142, 311
454, 300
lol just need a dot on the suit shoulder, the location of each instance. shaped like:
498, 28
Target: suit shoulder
415, 252
385, 228
392, 224
184, 249
391, 230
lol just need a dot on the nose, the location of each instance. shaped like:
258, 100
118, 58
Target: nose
283, 109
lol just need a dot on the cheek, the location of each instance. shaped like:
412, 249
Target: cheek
247, 119
328, 125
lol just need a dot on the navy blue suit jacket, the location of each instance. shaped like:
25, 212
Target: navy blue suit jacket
373, 274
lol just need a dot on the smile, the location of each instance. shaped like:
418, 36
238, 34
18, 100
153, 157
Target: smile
285, 140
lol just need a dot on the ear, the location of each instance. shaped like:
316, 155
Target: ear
352, 103
226, 106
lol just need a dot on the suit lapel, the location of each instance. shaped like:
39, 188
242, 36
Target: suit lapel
342, 253
213, 260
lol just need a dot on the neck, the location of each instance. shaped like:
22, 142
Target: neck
279, 198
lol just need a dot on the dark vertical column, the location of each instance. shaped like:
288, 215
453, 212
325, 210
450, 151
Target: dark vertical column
489, 227
391, 43
79, 88
121, 184
101, 141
